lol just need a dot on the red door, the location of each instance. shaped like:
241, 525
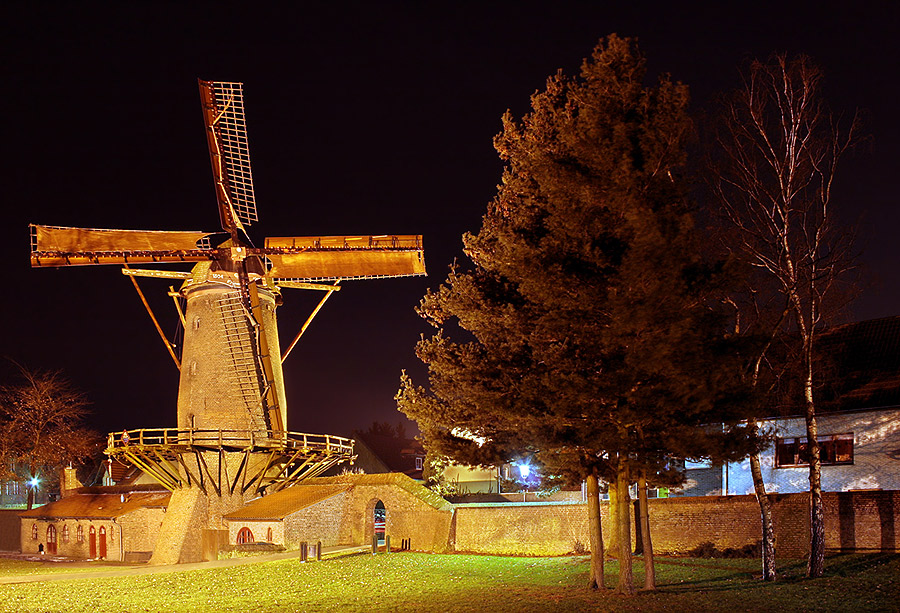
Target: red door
93, 541
102, 542
51, 539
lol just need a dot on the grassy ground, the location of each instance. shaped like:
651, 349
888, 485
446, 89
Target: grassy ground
422, 582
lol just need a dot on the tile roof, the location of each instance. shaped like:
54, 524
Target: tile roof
101, 506
281, 504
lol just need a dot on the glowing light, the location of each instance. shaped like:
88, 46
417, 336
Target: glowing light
33, 482
524, 469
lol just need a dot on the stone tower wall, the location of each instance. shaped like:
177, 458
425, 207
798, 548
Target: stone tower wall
209, 396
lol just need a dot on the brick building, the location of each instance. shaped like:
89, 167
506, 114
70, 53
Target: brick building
347, 510
113, 523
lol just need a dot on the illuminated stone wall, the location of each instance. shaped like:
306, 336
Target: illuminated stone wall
140, 530
318, 522
854, 521
407, 517
72, 548
524, 529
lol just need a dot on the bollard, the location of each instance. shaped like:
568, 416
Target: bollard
387, 543
318, 551
304, 551
374, 544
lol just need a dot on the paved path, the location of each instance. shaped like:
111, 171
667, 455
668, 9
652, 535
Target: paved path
145, 569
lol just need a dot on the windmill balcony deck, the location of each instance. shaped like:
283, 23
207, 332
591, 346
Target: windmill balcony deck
248, 461
228, 440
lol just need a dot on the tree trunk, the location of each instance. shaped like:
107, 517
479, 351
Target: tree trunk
612, 549
29, 487
816, 565
646, 542
593, 499
768, 523
625, 585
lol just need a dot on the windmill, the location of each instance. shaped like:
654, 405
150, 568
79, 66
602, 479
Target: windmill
231, 440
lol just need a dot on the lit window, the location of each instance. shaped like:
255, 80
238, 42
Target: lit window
833, 449
269, 535
420, 462
65, 533
79, 534
34, 532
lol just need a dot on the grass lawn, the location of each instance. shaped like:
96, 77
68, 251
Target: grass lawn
423, 582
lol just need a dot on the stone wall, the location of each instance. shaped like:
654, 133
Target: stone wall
318, 522
854, 521
537, 528
140, 529
406, 517
73, 545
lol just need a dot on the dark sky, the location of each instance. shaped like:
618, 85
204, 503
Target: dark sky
364, 118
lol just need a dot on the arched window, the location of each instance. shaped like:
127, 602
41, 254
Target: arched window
245, 536
269, 535
79, 534
34, 532
65, 533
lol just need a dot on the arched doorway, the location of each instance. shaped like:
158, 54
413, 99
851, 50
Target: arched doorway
102, 542
379, 517
244, 535
51, 539
92, 539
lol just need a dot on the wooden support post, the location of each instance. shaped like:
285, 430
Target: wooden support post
162, 334
309, 320
318, 551
387, 543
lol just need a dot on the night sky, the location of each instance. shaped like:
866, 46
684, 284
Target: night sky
368, 118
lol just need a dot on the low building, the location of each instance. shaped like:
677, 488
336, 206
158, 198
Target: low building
346, 510
112, 523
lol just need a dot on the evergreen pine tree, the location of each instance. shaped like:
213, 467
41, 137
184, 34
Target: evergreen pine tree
582, 336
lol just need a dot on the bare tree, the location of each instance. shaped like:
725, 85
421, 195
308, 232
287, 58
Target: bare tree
42, 425
781, 148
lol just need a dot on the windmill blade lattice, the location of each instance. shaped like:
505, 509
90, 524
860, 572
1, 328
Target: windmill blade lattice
229, 153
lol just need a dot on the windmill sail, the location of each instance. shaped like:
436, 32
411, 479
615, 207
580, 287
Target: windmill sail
319, 258
59, 246
229, 153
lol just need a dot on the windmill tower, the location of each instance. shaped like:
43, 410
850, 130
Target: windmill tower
231, 441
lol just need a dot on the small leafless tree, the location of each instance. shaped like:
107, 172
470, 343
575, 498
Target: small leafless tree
780, 148
42, 425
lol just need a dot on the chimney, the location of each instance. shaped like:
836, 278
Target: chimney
68, 482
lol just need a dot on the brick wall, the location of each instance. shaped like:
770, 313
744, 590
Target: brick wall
407, 516
322, 522
73, 548
140, 529
524, 529
853, 521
